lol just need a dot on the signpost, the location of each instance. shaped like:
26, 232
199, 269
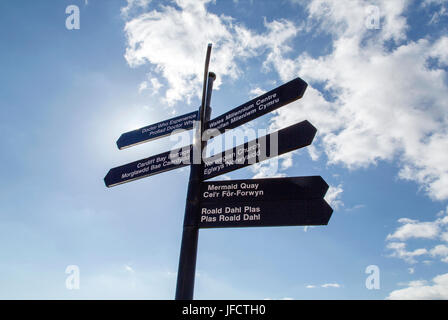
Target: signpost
295, 201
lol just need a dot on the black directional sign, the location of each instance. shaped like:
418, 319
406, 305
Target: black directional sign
271, 202
285, 140
149, 166
268, 189
157, 130
257, 107
308, 212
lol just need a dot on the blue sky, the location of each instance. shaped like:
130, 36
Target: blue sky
376, 95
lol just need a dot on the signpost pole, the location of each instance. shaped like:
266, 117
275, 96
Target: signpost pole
188, 252
296, 201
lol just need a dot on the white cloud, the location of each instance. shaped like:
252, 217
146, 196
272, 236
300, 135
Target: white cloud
325, 285
442, 9
313, 152
387, 103
267, 169
426, 230
439, 50
223, 177
133, 5
414, 229
348, 18
444, 236
286, 161
306, 228
128, 268
417, 283
173, 41
273, 167
155, 85
356, 207
331, 285
440, 251
419, 290
143, 86
333, 196
255, 92
399, 251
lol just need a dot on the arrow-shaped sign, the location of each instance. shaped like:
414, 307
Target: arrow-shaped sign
268, 189
311, 212
157, 130
257, 107
285, 140
149, 166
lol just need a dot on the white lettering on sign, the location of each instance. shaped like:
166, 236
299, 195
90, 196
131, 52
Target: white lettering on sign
211, 211
230, 214
146, 163
232, 209
208, 219
234, 217
251, 209
266, 99
134, 173
213, 194
241, 193
233, 190
159, 162
244, 185
222, 187
170, 125
251, 217
248, 111
244, 111
244, 115
209, 171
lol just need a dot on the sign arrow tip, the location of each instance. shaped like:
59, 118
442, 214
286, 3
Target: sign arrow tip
120, 142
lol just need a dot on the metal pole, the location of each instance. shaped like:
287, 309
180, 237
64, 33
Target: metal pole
190, 234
